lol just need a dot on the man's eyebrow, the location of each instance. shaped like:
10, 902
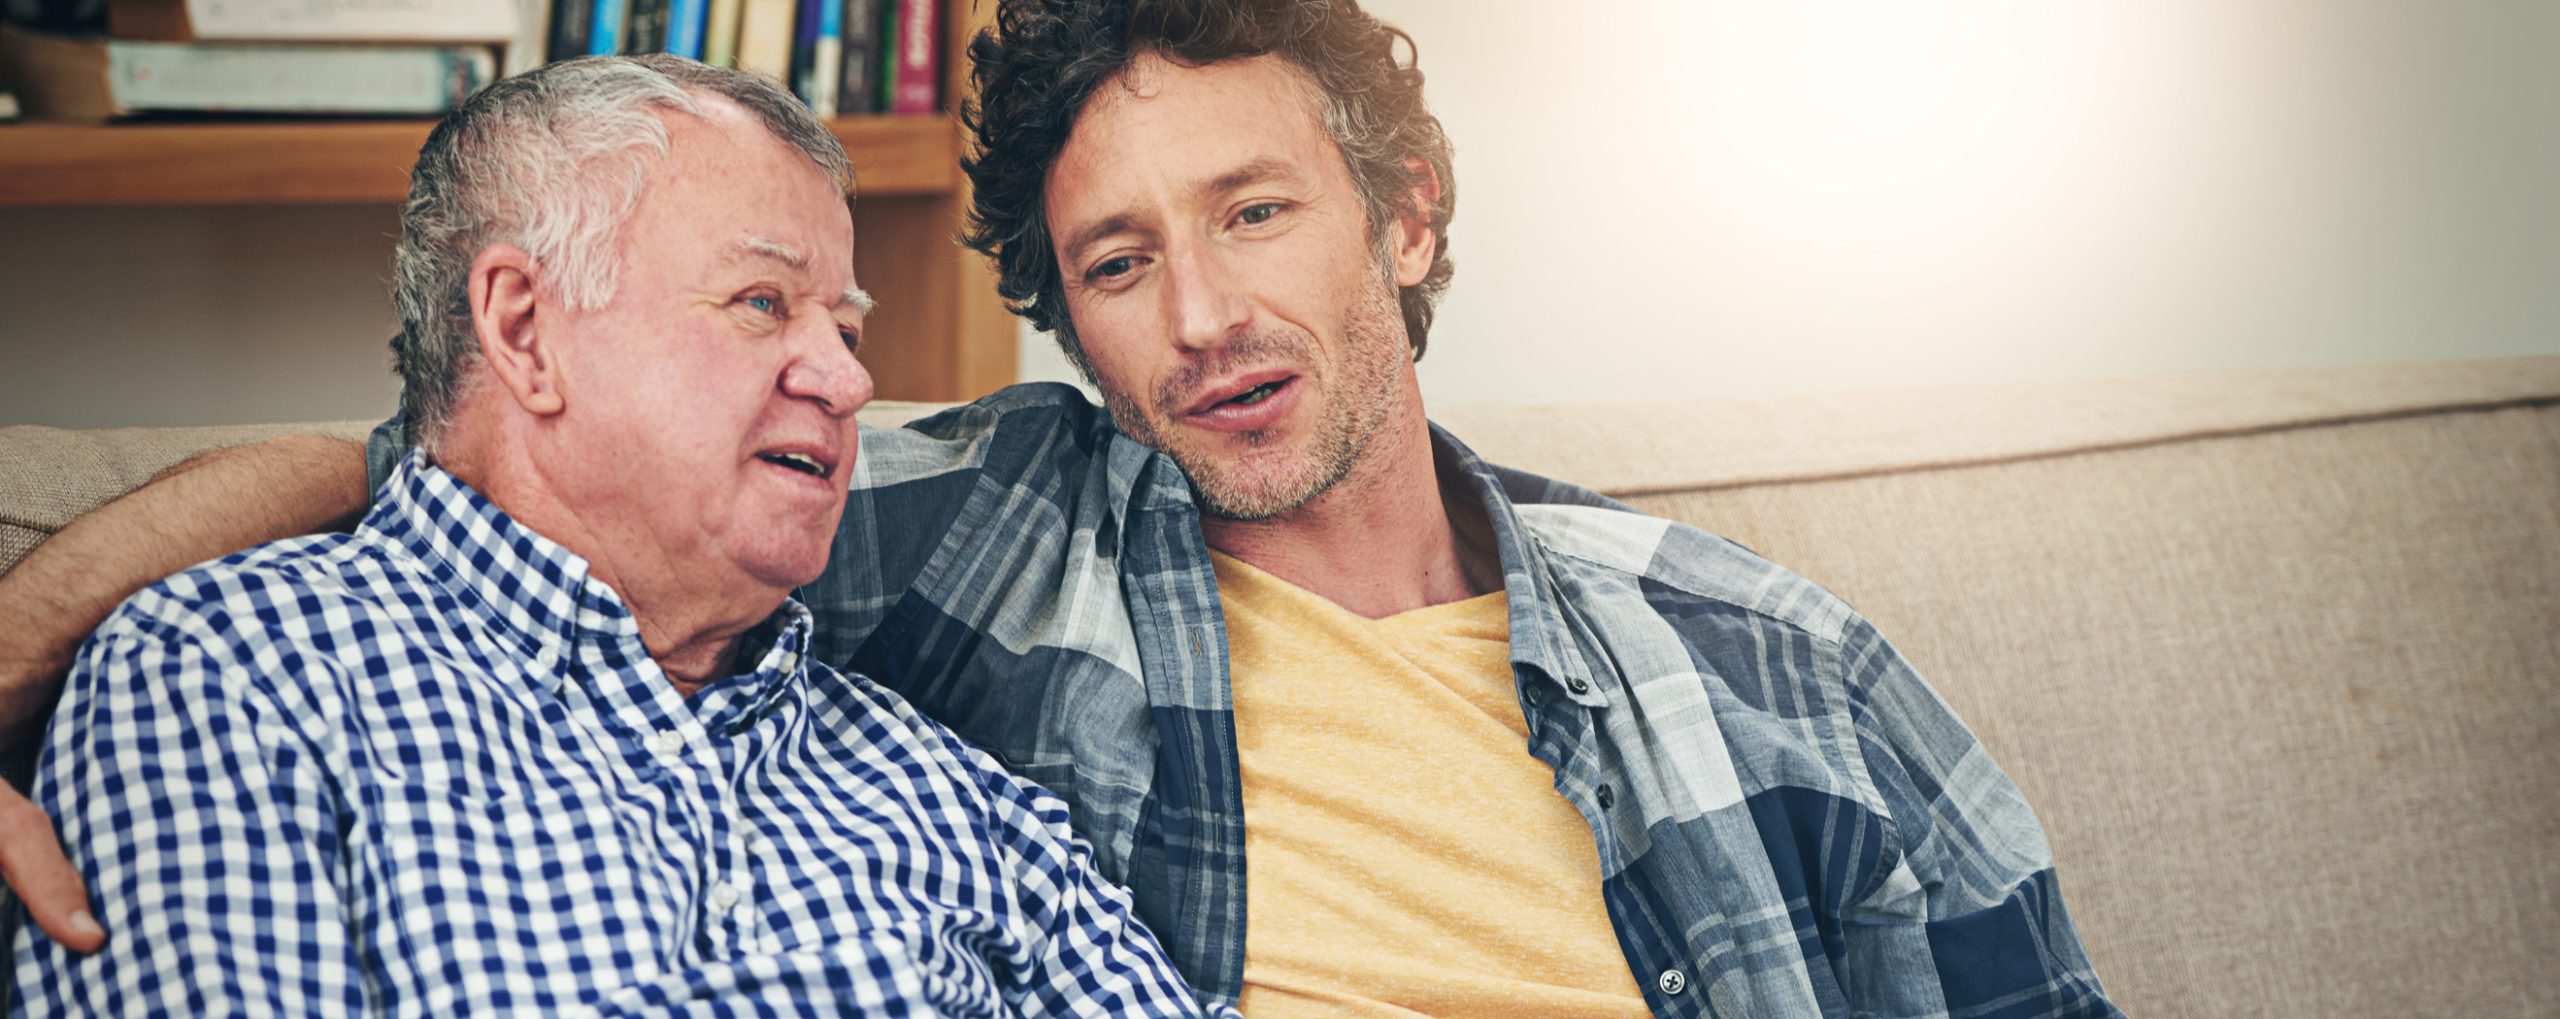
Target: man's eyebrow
1253, 172
759, 247
1088, 236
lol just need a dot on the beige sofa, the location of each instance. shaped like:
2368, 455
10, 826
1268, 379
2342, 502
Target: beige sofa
2275, 656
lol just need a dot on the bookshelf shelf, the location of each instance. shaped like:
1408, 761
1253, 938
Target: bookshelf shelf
940, 333
279, 162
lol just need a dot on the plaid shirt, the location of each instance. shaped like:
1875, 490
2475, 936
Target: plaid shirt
429, 769
1789, 821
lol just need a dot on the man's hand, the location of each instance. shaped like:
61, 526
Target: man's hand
32, 861
33, 658
208, 507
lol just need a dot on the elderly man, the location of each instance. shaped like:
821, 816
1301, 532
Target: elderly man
544, 733
1440, 737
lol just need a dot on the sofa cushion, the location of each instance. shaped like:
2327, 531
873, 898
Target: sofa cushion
2275, 658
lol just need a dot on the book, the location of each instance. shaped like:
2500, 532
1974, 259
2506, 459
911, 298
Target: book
605, 30
861, 79
817, 54
764, 38
571, 20
914, 58
648, 29
686, 22
720, 33
8, 107
531, 44
826, 64
444, 21
84, 78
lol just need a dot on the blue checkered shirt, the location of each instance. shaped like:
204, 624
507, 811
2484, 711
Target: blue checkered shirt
429, 769
1790, 822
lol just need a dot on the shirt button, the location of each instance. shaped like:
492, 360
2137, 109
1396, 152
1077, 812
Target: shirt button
723, 897
1609, 798
1671, 982
1537, 695
1578, 685
667, 741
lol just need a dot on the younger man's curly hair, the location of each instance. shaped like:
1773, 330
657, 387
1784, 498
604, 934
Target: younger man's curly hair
1043, 59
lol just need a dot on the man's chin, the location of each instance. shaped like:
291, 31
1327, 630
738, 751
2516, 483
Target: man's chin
1258, 488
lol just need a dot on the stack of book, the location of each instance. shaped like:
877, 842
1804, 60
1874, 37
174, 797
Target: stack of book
310, 56
423, 57
840, 56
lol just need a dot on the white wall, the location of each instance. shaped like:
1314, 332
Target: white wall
112, 317
1666, 198
1663, 198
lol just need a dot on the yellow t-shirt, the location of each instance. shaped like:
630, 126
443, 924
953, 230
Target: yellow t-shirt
1404, 854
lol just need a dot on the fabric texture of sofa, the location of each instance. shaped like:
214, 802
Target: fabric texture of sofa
2274, 656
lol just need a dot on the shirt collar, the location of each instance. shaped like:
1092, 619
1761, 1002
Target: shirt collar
1146, 480
543, 598
1541, 632
541, 593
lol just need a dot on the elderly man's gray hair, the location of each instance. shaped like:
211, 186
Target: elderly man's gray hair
552, 161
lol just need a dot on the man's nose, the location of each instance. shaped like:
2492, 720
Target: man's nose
824, 371
1209, 302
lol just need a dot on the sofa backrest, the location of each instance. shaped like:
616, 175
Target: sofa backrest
2276, 657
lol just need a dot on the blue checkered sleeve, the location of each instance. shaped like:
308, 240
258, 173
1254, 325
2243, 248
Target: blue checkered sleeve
1092, 957
1973, 923
196, 810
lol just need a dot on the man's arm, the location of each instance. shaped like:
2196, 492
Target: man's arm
1985, 926
210, 506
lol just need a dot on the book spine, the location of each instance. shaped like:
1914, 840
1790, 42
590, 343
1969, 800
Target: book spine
686, 22
404, 21
826, 79
648, 27
571, 20
764, 39
720, 33
604, 33
916, 67
531, 44
296, 79
861, 56
804, 46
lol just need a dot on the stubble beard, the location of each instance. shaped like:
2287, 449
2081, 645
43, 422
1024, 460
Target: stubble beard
1269, 481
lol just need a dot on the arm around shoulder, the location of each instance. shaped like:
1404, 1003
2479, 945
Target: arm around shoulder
210, 506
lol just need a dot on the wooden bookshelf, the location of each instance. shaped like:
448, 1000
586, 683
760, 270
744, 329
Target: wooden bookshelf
284, 161
940, 332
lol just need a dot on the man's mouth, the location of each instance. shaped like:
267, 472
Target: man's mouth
1243, 392
1252, 396
802, 462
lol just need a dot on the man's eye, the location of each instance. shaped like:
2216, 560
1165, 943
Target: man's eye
1259, 213
763, 303
852, 340
1113, 267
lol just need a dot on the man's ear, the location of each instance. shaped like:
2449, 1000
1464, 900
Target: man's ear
1416, 245
504, 306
